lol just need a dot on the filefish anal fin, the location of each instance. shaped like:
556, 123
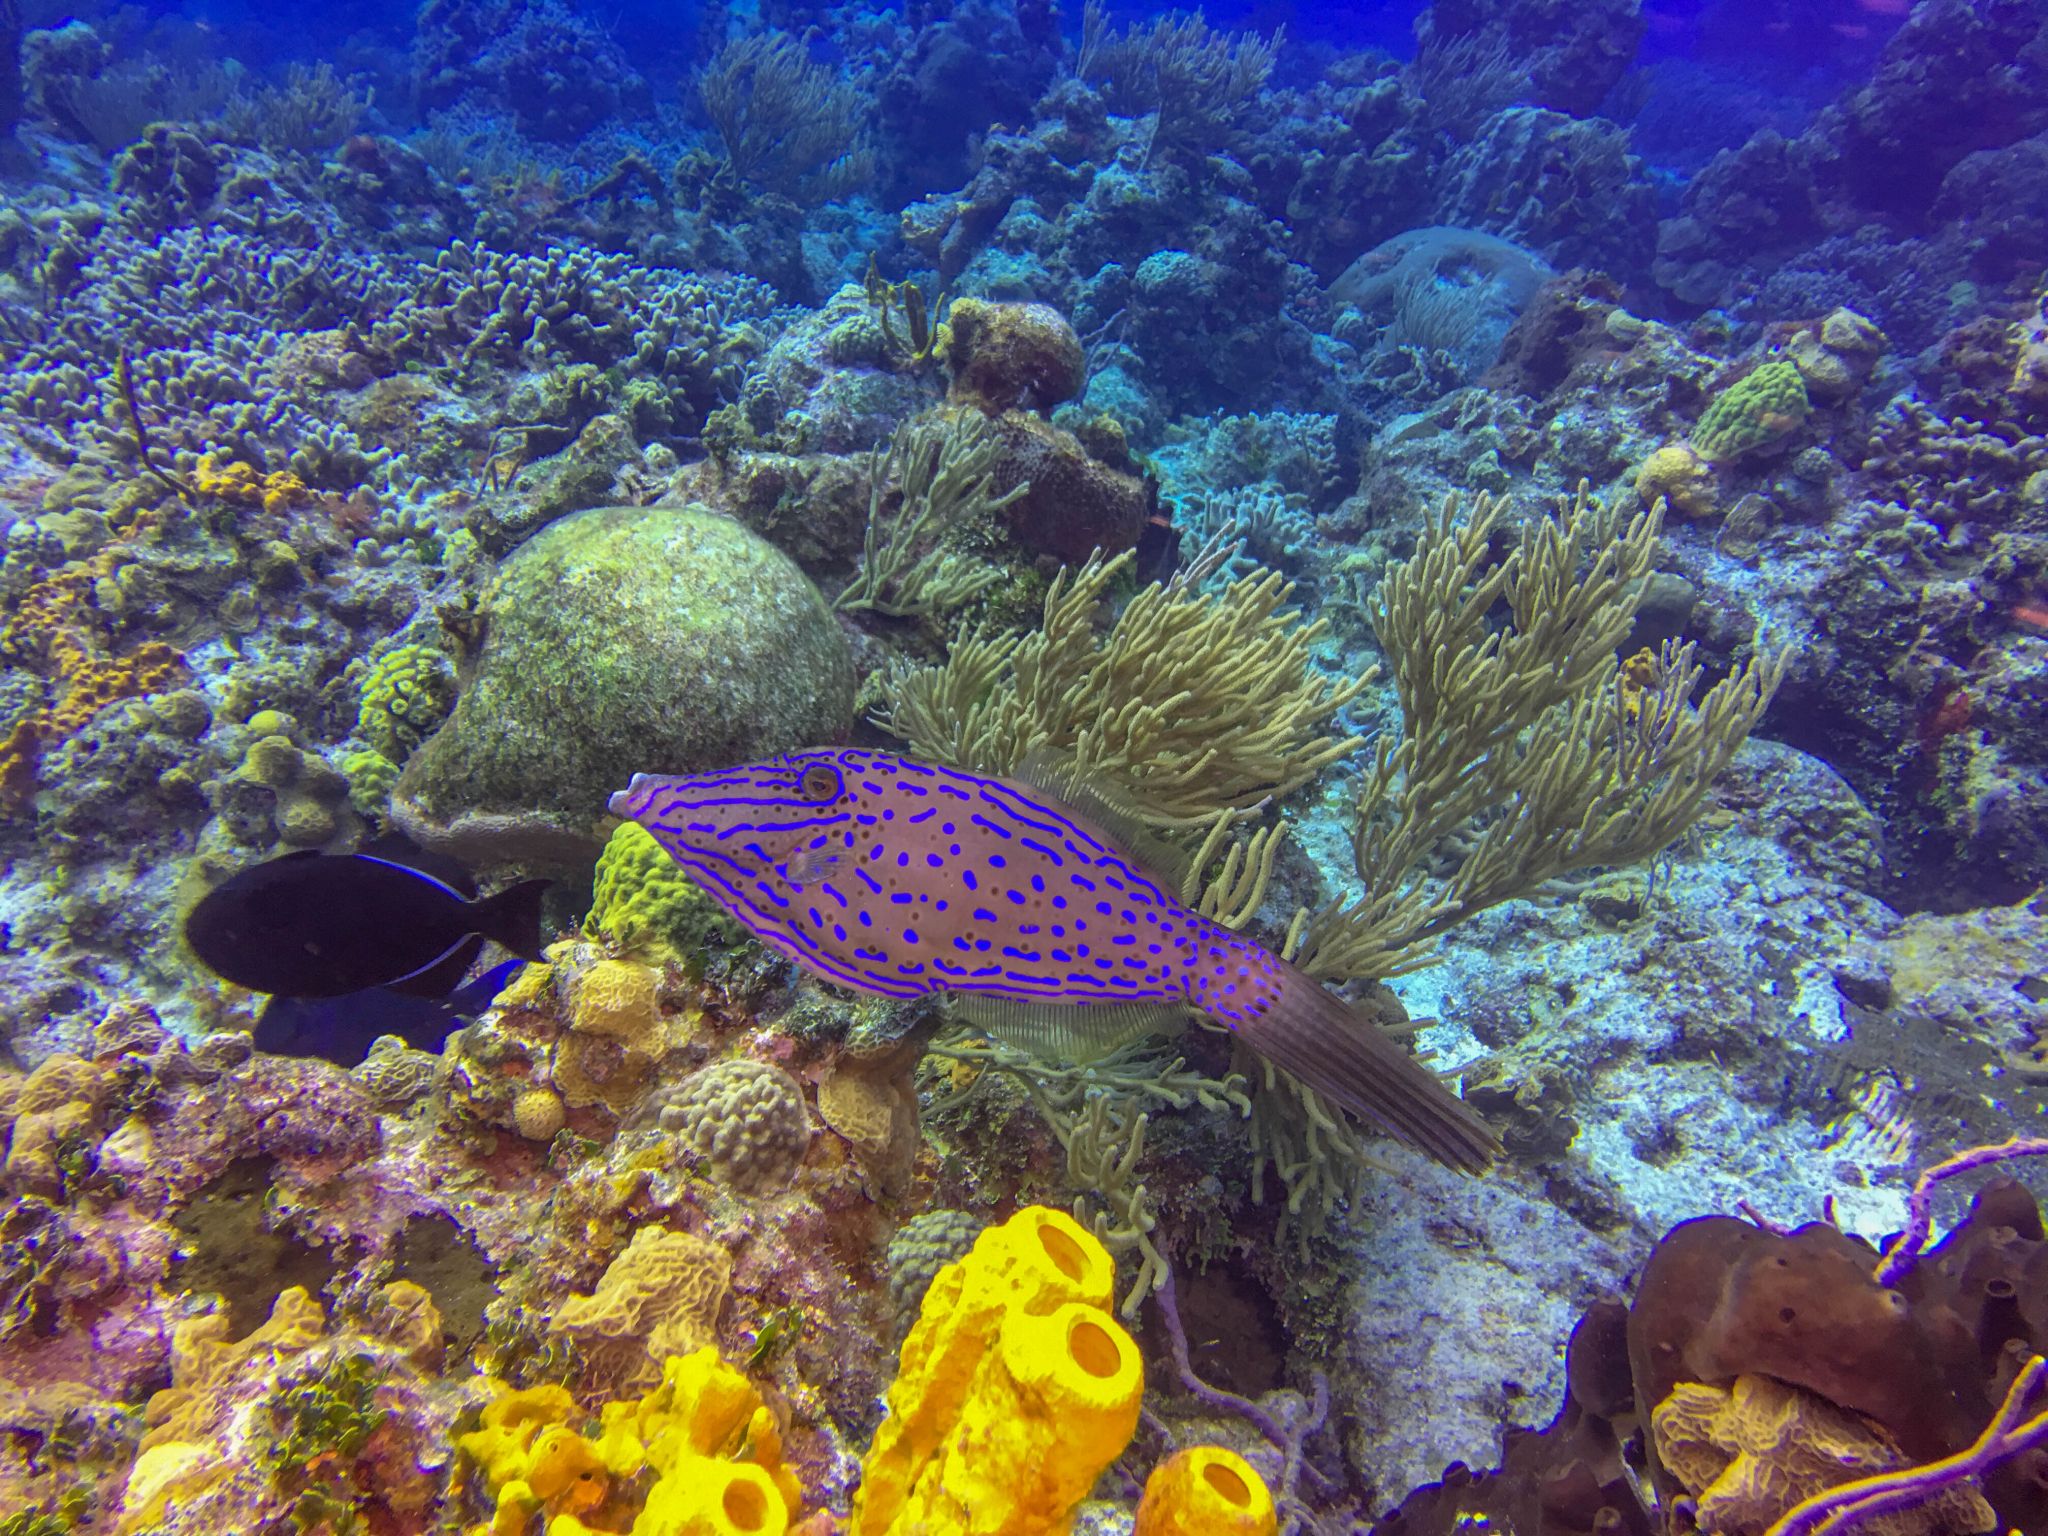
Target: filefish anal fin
1075, 1032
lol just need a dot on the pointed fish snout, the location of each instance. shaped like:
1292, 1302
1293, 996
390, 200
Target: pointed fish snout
622, 802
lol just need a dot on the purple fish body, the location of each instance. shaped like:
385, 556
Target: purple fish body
903, 878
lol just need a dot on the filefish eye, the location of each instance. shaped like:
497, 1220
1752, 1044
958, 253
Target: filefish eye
820, 784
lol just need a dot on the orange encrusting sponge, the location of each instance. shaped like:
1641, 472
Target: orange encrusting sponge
1206, 1491
1016, 1388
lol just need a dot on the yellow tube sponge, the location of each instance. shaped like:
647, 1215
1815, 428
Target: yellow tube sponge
1206, 1491
1016, 1388
510, 1422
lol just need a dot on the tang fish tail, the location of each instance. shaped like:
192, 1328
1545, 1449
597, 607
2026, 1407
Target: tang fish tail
511, 918
1313, 1034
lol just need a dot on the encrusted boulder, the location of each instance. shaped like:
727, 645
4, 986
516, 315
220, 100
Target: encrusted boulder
622, 640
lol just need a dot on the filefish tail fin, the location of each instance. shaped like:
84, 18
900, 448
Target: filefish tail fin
1314, 1035
511, 917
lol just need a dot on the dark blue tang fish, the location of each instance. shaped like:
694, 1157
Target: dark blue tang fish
341, 1029
335, 926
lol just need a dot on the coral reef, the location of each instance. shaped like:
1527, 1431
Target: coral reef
420, 420
1781, 1374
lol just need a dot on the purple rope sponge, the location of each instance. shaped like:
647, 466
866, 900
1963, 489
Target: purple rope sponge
1904, 1250
1834, 1510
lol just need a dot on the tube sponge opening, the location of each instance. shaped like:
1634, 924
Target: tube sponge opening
1206, 1490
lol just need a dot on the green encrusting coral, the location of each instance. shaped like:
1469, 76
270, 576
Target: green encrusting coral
1758, 408
332, 1413
642, 901
371, 776
406, 693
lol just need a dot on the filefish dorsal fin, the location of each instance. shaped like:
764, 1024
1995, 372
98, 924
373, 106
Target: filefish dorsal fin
1072, 1032
1052, 775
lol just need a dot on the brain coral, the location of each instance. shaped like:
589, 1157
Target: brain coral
1750, 1452
623, 640
747, 1119
1007, 355
660, 1297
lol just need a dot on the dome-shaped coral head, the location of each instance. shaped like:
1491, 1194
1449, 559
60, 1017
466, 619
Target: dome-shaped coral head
905, 878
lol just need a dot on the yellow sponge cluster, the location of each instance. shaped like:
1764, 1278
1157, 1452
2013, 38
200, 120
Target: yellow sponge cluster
713, 1448
278, 491
1016, 1388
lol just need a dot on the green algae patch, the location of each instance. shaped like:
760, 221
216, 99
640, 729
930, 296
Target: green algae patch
235, 1247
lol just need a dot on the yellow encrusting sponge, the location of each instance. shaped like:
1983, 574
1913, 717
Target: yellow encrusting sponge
1016, 1388
713, 1449
1206, 1491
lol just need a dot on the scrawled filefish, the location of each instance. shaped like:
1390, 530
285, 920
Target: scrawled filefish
899, 877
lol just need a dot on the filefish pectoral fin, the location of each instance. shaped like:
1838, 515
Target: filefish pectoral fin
812, 866
1071, 1032
1314, 1035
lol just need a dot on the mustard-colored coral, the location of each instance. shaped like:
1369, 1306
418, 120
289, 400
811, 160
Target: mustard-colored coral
1757, 409
1016, 1389
713, 1447
618, 1000
1748, 1453
660, 1297
211, 1443
58, 1100
52, 629
615, 1034
1681, 479
537, 1114
407, 692
278, 491
1206, 1490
